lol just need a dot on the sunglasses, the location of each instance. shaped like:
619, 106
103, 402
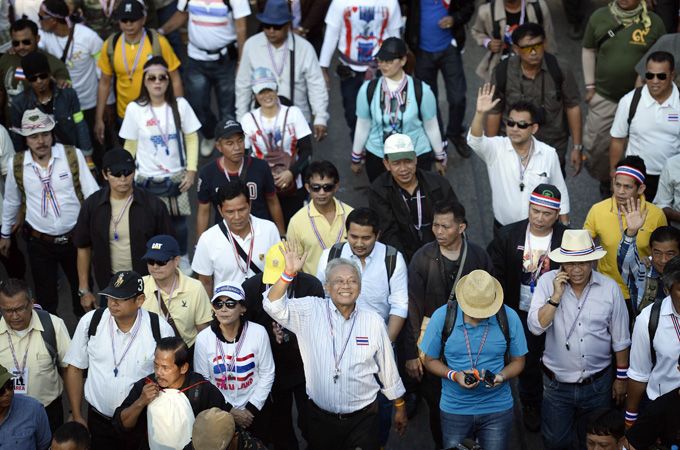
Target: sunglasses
40, 76
521, 125
7, 387
219, 304
154, 78
661, 76
531, 48
267, 26
121, 173
326, 187
23, 42
155, 262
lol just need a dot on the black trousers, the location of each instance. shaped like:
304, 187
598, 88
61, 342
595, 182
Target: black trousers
14, 262
55, 414
375, 166
45, 258
282, 411
329, 432
668, 11
104, 436
531, 378
431, 390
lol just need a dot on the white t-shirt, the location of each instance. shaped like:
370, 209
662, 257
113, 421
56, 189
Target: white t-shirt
81, 60
535, 262
151, 129
211, 25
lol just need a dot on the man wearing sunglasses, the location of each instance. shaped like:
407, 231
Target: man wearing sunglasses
21, 415
25, 38
648, 118
114, 225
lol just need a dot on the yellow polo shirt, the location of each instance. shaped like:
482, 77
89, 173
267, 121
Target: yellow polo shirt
44, 382
603, 222
127, 89
189, 305
300, 229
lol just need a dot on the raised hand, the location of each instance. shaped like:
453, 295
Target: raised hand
485, 101
635, 216
294, 256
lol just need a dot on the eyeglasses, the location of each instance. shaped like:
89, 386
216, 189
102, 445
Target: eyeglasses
267, 26
7, 387
326, 187
16, 311
350, 282
521, 125
531, 48
219, 304
22, 42
121, 173
40, 76
661, 76
155, 262
154, 78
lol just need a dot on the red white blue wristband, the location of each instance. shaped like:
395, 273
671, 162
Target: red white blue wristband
357, 157
630, 417
622, 373
286, 277
451, 375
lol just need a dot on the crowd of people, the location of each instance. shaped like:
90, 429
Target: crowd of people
117, 114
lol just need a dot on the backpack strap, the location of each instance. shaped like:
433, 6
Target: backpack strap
94, 323
335, 251
609, 34
390, 260
449, 323
48, 334
111, 46
155, 326
502, 318
155, 42
18, 169
637, 95
72, 158
538, 12
555, 73
652, 326
292, 71
496, 27
370, 91
180, 134
418, 89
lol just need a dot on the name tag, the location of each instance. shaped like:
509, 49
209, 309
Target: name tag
20, 381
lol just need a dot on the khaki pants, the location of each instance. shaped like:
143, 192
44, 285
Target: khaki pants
596, 136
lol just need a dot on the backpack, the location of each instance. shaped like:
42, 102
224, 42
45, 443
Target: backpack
417, 88
652, 326
48, 334
553, 69
496, 32
151, 34
390, 258
99, 312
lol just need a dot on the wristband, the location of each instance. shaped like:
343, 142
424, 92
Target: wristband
622, 373
286, 277
590, 86
399, 403
357, 157
451, 375
630, 417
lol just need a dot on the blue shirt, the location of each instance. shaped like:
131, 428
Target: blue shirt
432, 38
481, 400
25, 427
408, 121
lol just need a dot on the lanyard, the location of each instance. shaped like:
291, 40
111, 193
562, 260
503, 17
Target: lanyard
578, 314
21, 367
165, 135
250, 251
160, 298
49, 197
676, 325
523, 167
481, 344
419, 208
277, 69
533, 277
224, 169
398, 95
344, 347
230, 366
138, 55
316, 230
107, 11
133, 333
117, 220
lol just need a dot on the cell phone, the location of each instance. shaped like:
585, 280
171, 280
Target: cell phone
470, 379
489, 378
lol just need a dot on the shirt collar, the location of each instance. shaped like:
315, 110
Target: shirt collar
57, 153
667, 307
34, 324
336, 311
315, 213
648, 100
538, 149
115, 324
614, 209
180, 287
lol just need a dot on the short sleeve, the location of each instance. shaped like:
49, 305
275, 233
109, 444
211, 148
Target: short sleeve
268, 185
190, 122
203, 308
394, 21
518, 340
182, 5
168, 54
570, 93
301, 126
363, 108
620, 126
204, 189
249, 128
334, 14
129, 129
589, 40
640, 358
431, 344
202, 264
240, 8
63, 340
76, 355
104, 63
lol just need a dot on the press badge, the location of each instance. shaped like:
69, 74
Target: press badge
525, 298
20, 381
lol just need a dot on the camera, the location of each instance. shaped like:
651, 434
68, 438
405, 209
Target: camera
470, 378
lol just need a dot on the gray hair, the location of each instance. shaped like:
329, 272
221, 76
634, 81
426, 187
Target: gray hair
339, 262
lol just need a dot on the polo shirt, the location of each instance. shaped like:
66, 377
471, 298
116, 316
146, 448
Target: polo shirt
510, 203
25, 427
668, 192
44, 382
664, 376
215, 256
128, 88
432, 38
105, 391
604, 222
189, 305
654, 133
318, 235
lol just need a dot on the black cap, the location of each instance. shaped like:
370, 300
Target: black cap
392, 48
548, 190
130, 10
227, 128
123, 285
118, 159
35, 63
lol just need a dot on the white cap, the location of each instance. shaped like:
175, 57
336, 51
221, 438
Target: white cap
399, 146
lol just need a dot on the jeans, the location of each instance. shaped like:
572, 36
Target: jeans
349, 88
164, 14
530, 387
200, 77
565, 407
491, 430
450, 62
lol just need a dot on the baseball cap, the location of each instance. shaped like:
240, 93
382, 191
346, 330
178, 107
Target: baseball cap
399, 146
118, 159
229, 289
123, 285
227, 128
274, 264
35, 63
161, 248
391, 48
263, 78
5, 376
131, 10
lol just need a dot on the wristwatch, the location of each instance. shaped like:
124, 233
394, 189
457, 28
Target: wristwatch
552, 303
82, 292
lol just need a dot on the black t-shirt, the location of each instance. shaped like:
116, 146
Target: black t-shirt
257, 176
451, 269
659, 421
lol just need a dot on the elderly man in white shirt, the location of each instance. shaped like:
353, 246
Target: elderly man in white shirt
117, 346
345, 350
516, 163
51, 181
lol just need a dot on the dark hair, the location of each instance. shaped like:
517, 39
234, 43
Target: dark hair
22, 24
57, 7
525, 106
144, 98
529, 29
671, 273
365, 217
606, 422
177, 346
73, 432
636, 163
232, 190
322, 169
450, 207
15, 286
661, 56
665, 234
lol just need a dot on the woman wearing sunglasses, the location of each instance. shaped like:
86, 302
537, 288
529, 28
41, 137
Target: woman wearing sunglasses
160, 130
234, 354
281, 136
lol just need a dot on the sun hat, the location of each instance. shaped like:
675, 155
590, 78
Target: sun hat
576, 246
33, 122
479, 294
276, 12
213, 430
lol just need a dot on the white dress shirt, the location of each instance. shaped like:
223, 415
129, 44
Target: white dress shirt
216, 256
668, 192
368, 353
6, 154
510, 203
600, 329
62, 184
664, 376
104, 391
378, 294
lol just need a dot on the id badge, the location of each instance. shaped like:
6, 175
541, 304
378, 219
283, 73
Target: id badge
20, 381
525, 298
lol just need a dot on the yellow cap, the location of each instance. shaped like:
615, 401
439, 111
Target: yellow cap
274, 264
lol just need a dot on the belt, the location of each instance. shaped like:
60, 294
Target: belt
103, 416
63, 239
342, 416
591, 379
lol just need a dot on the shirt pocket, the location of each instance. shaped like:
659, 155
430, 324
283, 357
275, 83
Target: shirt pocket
598, 323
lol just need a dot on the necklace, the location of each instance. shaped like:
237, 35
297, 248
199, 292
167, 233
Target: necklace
524, 164
278, 69
226, 173
578, 314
